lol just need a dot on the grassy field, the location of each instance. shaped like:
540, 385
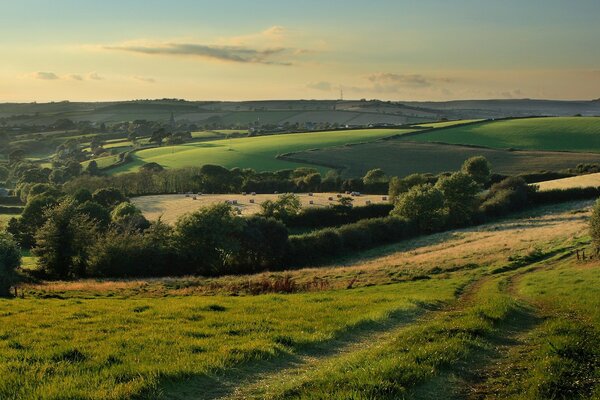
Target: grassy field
440, 316
49, 348
171, 206
558, 134
399, 157
445, 124
251, 152
582, 181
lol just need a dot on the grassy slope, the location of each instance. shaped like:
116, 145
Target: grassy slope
112, 349
254, 152
399, 157
165, 338
446, 124
561, 134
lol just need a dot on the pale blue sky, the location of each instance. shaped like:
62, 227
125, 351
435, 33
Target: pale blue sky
402, 50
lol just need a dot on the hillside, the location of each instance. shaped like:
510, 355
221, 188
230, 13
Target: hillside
259, 153
557, 134
441, 314
350, 112
400, 157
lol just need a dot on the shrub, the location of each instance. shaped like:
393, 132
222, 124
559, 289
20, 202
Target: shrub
595, 224
477, 168
263, 245
286, 206
511, 194
206, 238
423, 204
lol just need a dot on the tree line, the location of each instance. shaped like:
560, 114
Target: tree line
102, 234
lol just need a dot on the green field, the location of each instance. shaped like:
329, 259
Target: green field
558, 134
147, 342
445, 124
251, 152
434, 317
399, 157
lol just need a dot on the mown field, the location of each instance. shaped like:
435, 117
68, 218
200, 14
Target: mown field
558, 134
503, 310
400, 157
590, 180
169, 207
251, 152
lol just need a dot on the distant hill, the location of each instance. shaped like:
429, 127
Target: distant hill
282, 112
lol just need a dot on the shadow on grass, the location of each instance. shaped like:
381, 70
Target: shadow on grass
470, 379
224, 383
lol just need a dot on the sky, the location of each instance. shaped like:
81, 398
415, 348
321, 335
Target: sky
89, 50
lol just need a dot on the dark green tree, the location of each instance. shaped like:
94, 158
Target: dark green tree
10, 260
63, 242
460, 197
423, 204
207, 238
478, 168
285, 206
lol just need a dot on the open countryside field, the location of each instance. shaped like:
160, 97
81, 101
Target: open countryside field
400, 157
169, 207
557, 134
251, 152
435, 317
590, 180
446, 124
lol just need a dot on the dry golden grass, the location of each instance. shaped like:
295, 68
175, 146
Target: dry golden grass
582, 181
171, 206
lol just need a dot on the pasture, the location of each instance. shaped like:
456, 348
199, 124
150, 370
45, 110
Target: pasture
171, 206
446, 124
400, 157
436, 315
555, 134
259, 153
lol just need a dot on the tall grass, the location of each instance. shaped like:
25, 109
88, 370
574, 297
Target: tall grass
119, 349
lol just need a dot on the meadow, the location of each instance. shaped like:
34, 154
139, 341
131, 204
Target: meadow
556, 134
259, 152
401, 157
437, 316
446, 124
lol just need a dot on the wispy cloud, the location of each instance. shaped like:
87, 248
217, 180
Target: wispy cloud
95, 76
48, 76
237, 54
144, 79
392, 82
323, 86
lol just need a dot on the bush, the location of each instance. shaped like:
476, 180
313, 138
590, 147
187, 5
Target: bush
263, 245
595, 224
511, 194
423, 204
286, 206
135, 254
314, 217
477, 168
10, 259
205, 239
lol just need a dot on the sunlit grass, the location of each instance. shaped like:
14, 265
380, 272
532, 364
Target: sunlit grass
113, 349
